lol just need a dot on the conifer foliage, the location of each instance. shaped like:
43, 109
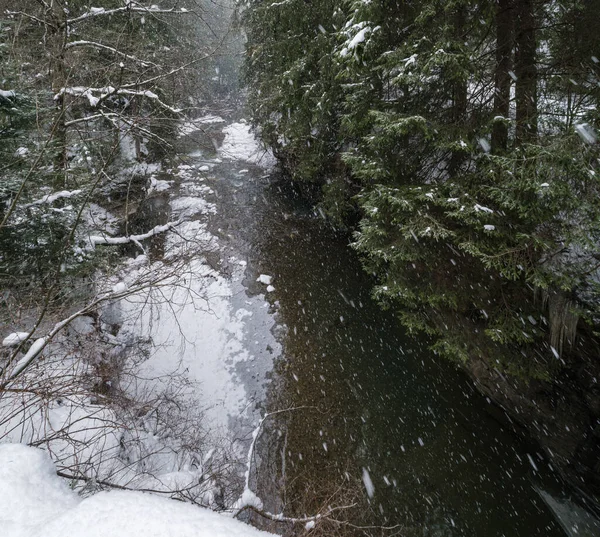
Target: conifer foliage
463, 135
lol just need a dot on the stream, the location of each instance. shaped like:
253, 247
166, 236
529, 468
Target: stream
374, 422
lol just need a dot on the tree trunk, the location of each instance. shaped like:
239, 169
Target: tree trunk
57, 38
502, 78
460, 85
459, 91
525, 71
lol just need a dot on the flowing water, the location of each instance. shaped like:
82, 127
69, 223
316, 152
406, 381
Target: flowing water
377, 421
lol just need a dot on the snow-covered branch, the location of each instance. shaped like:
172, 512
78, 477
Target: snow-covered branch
149, 95
7, 94
101, 12
96, 95
96, 239
51, 198
248, 499
101, 46
40, 344
91, 118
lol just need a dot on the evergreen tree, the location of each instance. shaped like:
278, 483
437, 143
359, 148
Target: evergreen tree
466, 133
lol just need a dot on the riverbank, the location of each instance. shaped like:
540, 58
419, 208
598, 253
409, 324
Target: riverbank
562, 416
439, 456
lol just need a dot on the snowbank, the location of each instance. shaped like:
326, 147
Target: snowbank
240, 144
34, 502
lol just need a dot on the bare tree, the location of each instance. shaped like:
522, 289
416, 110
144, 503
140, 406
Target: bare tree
101, 91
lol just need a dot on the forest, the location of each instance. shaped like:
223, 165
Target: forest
458, 139
328, 267
457, 142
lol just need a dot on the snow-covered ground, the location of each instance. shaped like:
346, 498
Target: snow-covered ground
195, 324
35, 502
193, 334
240, 144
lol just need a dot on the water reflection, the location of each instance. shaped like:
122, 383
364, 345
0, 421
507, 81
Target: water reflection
371, 400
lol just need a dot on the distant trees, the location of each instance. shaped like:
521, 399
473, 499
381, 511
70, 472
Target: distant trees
462, 135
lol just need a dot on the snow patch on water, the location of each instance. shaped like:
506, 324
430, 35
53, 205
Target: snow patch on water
241, 144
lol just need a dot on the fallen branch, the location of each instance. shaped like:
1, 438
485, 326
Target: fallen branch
96, 239
104, 483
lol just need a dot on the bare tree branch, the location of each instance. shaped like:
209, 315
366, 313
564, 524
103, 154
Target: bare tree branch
94, 44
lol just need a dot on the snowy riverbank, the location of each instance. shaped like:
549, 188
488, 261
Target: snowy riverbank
34, 502
175, 349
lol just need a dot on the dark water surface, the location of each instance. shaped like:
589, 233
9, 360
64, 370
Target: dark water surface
371, 401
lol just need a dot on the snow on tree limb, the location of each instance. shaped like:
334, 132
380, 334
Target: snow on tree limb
40, 344
130, 8
94, 44
91, 95
51, 198
96, 239
7, 94
91, 118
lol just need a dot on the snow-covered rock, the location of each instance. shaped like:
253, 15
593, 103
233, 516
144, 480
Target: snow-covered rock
265, 279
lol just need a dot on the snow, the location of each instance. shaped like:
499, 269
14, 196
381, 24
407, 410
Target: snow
368, 483
586, 132
35, 502
240, 144
12, 340
99, 219
7, 94
265, 279
249, 499
30, 491
485, 145
120, 287
159, 185
358, 38
411, 60
200, 323
96, 240
532, 462
195, 328
188, 206
34, 350
51, 198
194, 125
489, 227
481, 208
